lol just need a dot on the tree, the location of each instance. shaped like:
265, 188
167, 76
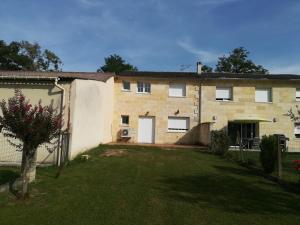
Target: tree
31, 126
115, 63
238, 62
24, 55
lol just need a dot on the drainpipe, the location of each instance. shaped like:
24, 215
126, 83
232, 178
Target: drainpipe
62, 107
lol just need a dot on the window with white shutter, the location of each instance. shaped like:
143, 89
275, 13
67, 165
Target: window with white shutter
178, 124
297, 129
177, 90
263, 95
223, 93
298, 94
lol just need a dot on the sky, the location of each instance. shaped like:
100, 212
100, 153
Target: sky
157, 35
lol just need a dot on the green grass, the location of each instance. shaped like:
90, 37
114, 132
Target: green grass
289, 173
152, 186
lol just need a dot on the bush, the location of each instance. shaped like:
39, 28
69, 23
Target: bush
219, 142
268, 153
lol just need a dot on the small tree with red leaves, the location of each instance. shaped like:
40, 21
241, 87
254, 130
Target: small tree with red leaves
27, 127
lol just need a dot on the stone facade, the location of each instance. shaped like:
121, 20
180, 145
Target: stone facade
271, 117
156, 104
204, 111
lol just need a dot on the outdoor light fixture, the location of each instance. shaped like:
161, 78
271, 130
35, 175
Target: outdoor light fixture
214, 117
147, 113
275, 119
177, 112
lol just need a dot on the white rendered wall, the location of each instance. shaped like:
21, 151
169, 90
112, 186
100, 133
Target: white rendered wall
91, 105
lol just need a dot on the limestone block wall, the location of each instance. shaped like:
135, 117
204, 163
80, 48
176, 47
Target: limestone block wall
244, 106
157, 104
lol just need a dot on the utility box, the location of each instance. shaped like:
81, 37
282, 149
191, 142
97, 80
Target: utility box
282, 147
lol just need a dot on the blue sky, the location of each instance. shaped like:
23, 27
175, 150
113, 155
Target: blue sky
158, 35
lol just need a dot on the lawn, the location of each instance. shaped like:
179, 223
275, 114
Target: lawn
148, 185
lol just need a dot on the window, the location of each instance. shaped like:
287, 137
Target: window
143, 87
125, 120
297, 130
178, 124
298, 94
263, 95
177, 90
126, 86
224, 93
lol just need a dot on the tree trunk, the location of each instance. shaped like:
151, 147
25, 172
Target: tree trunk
28, 171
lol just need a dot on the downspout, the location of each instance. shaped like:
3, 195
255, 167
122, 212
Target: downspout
62, 108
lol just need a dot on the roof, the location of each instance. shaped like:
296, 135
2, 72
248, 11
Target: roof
208, 76
62, 75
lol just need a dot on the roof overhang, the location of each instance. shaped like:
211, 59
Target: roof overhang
249, 120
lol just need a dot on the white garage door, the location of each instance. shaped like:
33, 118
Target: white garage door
146, 130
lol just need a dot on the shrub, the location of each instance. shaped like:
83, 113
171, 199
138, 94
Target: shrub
219, 142
268, 153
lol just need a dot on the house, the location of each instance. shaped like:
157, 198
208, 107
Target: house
85, 99
156, 107
181, 107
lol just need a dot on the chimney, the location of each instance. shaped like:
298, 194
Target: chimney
199, 68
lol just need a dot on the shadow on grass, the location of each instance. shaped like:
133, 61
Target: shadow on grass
8, 176
231, 193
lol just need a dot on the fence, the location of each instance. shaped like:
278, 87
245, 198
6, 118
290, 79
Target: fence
251, 156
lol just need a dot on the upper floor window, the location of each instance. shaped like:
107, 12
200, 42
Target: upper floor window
177, 90
298, 94
143, 87
224, 93
263, 95
126, 86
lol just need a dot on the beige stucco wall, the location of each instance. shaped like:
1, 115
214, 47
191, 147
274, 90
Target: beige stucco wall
91, 110
45, 91
157, 104
244, 106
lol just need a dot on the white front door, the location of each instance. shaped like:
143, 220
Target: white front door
146, 130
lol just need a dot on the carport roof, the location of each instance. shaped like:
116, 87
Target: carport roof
62, 75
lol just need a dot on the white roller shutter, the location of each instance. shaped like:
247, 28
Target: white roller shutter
263, 95
223, 93
179, 124
177, 90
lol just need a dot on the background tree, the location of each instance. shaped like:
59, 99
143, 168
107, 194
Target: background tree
115, 63
24, 55
32, 127
238, 62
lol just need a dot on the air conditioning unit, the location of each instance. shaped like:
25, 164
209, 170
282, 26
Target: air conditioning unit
126, 132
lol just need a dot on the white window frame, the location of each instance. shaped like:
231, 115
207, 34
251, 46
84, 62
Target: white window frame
224, 99
173, 86
122, 122
298, 94
297, 129
123, 84
145, 87
270, 95
179, 129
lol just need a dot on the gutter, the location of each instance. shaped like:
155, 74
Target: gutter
62, 107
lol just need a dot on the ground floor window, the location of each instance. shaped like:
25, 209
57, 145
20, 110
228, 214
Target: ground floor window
125, 120
297, 130
178, 124
243, 133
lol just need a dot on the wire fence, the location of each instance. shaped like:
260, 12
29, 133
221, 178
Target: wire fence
10, 156
252, 157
